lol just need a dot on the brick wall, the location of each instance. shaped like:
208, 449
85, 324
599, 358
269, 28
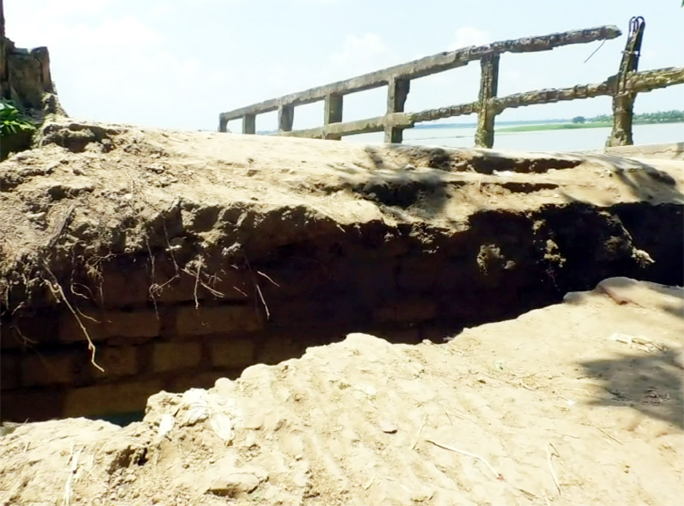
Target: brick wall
185, 336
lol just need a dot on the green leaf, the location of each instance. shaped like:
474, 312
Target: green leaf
11, 121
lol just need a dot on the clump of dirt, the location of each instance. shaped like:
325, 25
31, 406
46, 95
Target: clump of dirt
577, 403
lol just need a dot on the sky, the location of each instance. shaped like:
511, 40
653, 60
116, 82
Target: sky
179, 63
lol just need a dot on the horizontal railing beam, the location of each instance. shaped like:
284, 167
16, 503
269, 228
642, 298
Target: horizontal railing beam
647, 80
426, 66
638, 82
445, 112
549, 96
400, 120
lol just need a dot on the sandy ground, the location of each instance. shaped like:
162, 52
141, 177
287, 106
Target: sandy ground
576, 404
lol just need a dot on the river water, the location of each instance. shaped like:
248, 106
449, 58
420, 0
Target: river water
580, 139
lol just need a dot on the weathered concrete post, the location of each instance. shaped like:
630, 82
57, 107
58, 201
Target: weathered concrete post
249, 124
397, 93
623, 100
333, 113
285, 118
489, 83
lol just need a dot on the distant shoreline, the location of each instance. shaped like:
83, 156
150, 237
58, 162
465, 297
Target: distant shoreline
439, 126
532, 126
575, 126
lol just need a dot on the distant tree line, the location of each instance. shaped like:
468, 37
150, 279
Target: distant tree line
648, 117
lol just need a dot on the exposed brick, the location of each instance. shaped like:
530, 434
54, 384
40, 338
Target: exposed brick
344, 310
175, 356
409, 311
39, 369
372, 282
231, 285
296, 312
278, 349
232, 352
31, 405
9, 371
123, 286
296, 278
23, 331
178, 288
107, 399
10, 339
217, 320
104, 324
116, 361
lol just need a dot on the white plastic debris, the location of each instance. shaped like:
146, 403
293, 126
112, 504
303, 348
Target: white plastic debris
222, 426
223, 414
198, 406
165, 425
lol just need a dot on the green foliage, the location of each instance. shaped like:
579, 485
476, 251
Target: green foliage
579, 119
649, 117
11, 122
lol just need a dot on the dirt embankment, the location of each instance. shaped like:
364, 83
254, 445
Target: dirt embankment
578, 403
98, 196
186, 257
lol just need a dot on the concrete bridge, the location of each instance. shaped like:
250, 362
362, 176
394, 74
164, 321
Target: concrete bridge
623, 87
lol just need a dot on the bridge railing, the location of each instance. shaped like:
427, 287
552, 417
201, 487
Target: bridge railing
623, 87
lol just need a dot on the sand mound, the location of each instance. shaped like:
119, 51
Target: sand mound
577, 403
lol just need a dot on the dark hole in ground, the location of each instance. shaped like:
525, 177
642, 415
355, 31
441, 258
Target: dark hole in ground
404, 284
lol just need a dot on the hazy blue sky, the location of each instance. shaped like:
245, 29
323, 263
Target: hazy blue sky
179, 63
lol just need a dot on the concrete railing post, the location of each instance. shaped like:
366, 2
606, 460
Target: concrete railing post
249, 124
285, 118
397, 93
489, 83
623, 100
333, 113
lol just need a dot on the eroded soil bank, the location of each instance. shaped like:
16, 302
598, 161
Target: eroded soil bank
188, 257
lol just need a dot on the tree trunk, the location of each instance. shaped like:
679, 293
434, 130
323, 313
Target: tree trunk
3, 57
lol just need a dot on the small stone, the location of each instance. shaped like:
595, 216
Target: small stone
388, 427
229, 481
